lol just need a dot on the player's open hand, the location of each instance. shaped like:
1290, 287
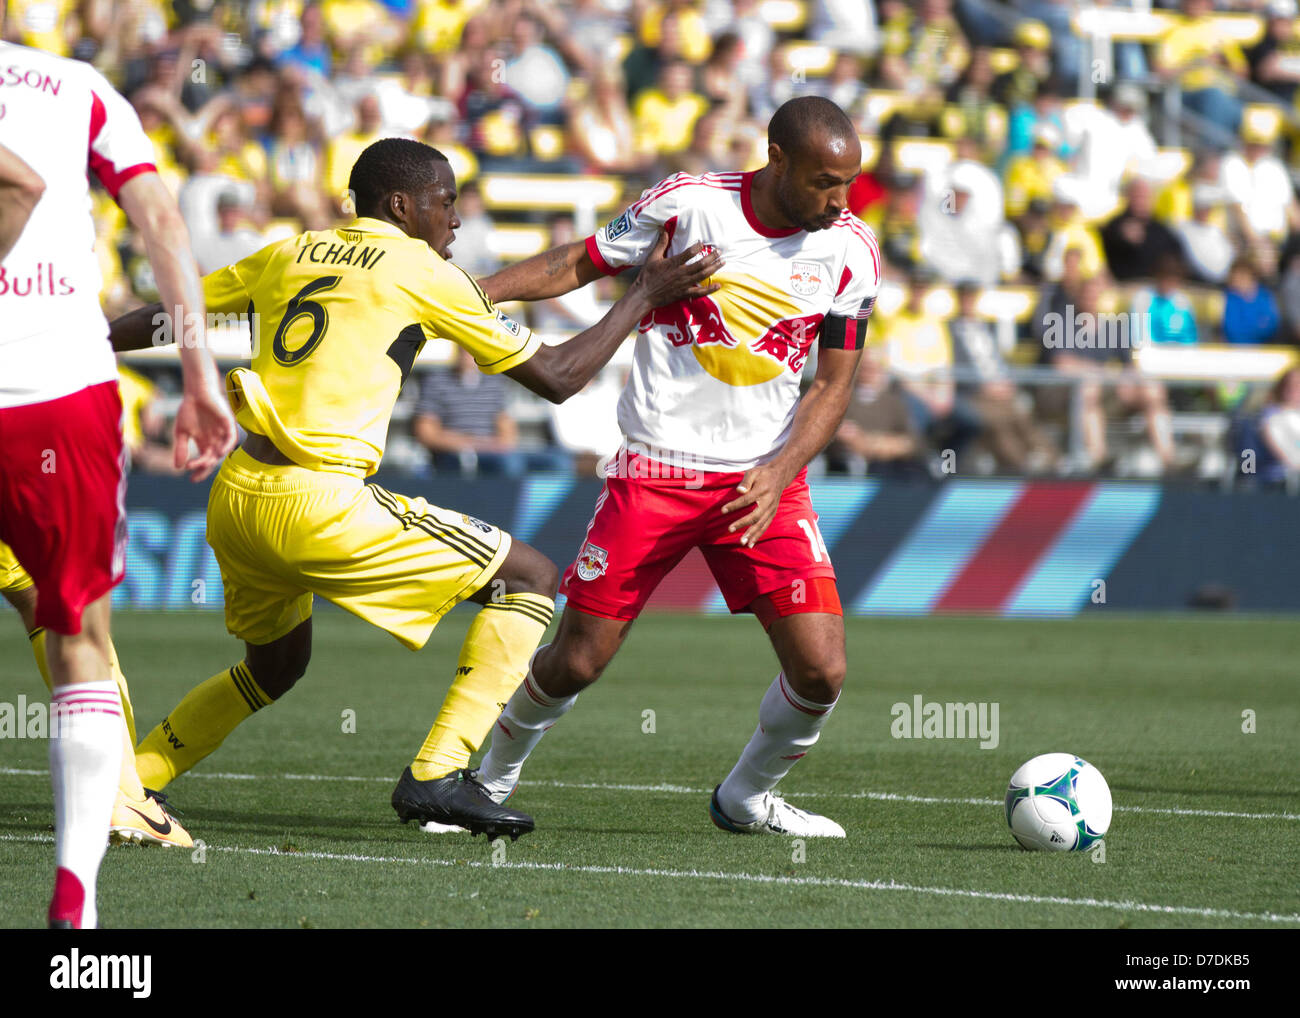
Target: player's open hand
204, 417
760, 487
681, 277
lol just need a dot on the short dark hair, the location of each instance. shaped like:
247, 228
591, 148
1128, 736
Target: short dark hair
391, 164
798, 120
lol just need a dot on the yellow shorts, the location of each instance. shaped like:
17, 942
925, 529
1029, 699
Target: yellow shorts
12, 575
282, 534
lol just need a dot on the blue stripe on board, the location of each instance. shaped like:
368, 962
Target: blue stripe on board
1102, 530
938, 548
539, 496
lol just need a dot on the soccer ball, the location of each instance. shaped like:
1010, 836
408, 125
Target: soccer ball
1058, 803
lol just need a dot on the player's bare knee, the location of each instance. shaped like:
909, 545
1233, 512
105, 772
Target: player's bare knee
526, 571
277, 666
821, 680
568, 668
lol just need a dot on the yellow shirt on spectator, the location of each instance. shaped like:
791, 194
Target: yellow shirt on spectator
40, 23
341, 153
1193, 42
663, 125
1029, 177
696, 44
916, 344
249, 163
439, 23
1074, 234
137, 392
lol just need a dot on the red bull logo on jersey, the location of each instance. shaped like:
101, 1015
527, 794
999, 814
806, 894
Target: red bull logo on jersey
805, 278
591, 562
751, 352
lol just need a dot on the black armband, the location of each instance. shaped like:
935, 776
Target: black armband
843, 333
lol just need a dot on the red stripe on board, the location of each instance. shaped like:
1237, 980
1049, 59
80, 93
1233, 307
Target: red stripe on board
1030, 527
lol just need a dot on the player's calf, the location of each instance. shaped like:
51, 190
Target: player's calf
582, 648
810, 646
517, 606
212, 710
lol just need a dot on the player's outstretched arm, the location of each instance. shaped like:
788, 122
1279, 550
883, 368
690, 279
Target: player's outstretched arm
140, 329
204, 415
816, 420
556, 372
21, 188
552, 273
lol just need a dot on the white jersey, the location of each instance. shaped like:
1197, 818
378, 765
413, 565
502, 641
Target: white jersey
715, 380
65, 121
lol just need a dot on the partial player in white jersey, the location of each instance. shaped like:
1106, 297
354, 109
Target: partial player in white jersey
62, 480
717, 441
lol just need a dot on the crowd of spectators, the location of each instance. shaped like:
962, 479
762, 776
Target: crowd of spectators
257, 109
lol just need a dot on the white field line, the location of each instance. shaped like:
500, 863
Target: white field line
749, 878
683, 790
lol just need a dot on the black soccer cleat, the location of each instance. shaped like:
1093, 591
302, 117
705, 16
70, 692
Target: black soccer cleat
457, 799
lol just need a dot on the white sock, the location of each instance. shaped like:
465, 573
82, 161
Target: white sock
517, 732
85, 763
788, 726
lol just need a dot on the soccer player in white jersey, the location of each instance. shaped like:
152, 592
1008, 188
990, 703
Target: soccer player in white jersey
717, 440
62, 481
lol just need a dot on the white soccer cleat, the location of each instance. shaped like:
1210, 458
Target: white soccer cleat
782, 818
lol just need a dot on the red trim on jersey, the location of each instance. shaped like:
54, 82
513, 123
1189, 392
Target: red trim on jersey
599, 260
747, 205
721, 181
859, 230
112, 179
845, 276
670, 227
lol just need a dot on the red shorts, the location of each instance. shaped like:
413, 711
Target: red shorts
643, 526
62, 499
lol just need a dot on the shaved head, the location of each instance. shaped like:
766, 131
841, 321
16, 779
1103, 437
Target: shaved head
800, 122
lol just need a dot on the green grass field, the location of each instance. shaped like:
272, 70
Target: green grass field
298, 829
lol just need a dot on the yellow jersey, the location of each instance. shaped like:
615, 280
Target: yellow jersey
339, 317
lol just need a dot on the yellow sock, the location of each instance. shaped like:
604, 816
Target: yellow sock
128, 712
37, 638
198, 725
493, 661
129, 780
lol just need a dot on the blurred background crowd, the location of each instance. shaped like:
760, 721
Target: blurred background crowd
1087, 210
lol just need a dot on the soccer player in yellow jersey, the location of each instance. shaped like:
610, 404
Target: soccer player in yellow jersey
343, 314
